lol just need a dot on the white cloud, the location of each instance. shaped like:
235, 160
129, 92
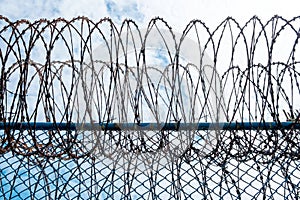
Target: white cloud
212, 12
31, 9
93, 9
176, 13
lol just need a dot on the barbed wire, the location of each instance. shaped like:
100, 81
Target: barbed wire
84, 72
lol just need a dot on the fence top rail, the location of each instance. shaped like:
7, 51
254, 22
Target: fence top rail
230, 126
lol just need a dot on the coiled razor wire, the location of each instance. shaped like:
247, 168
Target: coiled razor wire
92, 110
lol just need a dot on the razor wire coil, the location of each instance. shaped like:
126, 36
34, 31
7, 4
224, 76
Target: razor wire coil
51, 72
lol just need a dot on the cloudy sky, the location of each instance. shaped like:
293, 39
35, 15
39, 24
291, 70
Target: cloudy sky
176, 13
